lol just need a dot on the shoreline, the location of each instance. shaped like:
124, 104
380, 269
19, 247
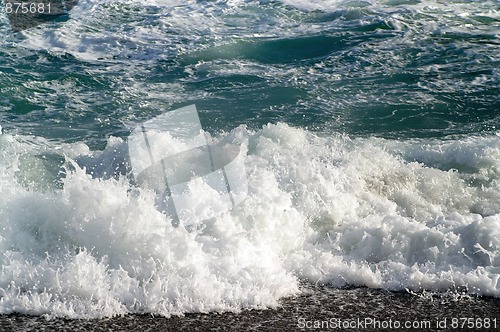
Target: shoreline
317, 308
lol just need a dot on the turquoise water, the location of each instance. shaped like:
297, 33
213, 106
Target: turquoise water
371, 131
386, 68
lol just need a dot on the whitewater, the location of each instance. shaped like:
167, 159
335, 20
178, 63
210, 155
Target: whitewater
369, 131
365, 212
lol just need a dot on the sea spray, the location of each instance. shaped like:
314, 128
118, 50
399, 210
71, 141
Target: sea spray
364, 212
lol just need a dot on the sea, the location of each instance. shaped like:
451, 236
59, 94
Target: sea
370, 131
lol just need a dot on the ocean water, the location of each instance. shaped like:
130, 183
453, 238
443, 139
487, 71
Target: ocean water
370, 131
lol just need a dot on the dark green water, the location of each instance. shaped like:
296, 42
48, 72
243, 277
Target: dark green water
370, 132
397, 69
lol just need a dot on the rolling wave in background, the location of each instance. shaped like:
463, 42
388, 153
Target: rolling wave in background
370, 132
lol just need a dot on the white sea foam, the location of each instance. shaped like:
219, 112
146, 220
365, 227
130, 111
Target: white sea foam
415, 214
392, 214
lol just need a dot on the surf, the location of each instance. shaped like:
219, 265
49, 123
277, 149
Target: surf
338, 210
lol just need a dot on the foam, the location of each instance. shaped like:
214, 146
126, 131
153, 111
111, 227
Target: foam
78, 240
364, 212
